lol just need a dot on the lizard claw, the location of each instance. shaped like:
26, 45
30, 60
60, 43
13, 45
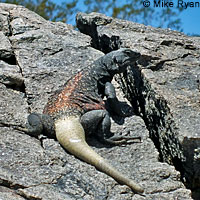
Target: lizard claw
25, 130
122, 139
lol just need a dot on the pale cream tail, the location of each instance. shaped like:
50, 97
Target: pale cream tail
71, 136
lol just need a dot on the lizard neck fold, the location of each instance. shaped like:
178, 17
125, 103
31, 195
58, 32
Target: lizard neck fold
100, 72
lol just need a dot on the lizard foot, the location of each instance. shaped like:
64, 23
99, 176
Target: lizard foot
122, 139
25, 130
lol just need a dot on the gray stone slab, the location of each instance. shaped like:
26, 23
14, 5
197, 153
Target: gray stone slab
47, 54
163, 87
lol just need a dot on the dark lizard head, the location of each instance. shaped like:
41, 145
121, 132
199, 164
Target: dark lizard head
117, 61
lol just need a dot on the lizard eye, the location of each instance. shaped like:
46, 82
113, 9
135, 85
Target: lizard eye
115, 60
118, 59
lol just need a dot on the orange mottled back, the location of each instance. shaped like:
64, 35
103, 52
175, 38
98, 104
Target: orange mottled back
77, 97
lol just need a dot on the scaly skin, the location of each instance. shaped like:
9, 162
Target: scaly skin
71, 136
81, 101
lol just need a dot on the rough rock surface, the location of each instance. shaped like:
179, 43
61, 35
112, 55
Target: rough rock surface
36, 58
164, 88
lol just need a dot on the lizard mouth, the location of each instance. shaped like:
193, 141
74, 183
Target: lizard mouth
130, 60
127, 62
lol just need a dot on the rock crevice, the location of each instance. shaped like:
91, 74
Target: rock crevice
162, 87
42, 56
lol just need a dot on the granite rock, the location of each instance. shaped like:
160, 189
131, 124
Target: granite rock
36, 58
163, 88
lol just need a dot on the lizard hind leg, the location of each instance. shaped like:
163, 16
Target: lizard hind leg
71, 136
98, 122
34, 125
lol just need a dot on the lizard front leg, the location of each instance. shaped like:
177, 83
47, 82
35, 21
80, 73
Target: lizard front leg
98, 122
113, 102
